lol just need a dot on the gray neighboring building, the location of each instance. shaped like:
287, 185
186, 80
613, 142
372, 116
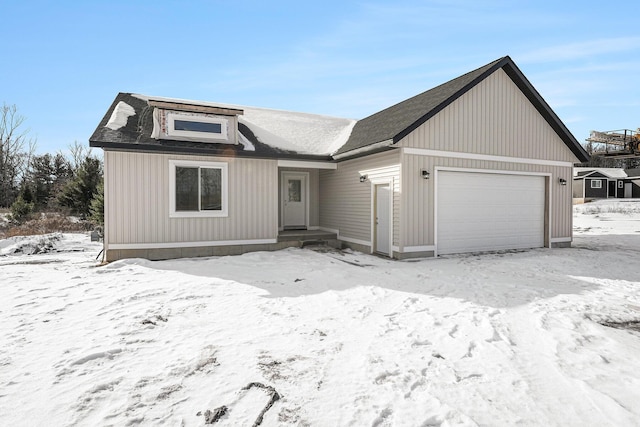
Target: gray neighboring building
605, 183
479, 163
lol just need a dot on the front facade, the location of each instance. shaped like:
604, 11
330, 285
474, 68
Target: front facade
480, 163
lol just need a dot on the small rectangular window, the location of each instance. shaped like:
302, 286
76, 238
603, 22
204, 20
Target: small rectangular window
596, 183
197, 126
197, 189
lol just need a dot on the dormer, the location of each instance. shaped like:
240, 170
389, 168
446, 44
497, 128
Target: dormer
179, 121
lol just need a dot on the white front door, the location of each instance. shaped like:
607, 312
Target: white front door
383, 218
294, 200
627, 190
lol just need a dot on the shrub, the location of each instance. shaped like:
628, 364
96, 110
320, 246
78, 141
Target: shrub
21, 210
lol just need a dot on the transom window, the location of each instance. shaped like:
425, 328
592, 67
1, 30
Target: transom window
198, 127
596, 183
197, 189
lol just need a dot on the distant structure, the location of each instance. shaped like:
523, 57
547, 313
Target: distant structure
621, 144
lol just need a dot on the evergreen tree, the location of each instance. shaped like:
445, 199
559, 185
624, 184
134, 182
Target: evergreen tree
41, 175
96, 207
79, 191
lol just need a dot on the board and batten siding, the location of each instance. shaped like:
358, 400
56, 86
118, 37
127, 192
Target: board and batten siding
419, 204
345, 202
137, 201
497, 122
493, 118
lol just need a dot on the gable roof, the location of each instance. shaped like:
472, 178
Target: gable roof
582, 172
394, 123
282, 134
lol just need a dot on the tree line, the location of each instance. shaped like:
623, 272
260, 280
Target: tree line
31, 183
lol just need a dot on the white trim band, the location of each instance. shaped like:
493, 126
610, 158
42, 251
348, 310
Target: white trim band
561, 239
427, 248
346, 239
486, 157
190, 244
305, 164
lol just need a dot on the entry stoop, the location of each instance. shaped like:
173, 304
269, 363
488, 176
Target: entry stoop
309, 238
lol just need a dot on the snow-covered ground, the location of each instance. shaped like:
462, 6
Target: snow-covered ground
343, 338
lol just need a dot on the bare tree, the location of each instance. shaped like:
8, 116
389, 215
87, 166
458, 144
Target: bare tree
16, 148
78, 153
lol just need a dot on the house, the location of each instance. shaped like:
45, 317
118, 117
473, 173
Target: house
633, 178
603, 183
479, 163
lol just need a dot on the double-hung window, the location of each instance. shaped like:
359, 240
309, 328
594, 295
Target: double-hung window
596, 183
198, 189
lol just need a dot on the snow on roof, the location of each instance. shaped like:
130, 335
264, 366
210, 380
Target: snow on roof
610, 172
303, 133
120, 115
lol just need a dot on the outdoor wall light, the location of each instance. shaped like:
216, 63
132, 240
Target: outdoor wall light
562, 181
424, 174
363, 178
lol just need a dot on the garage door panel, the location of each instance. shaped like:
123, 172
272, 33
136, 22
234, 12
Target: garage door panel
488, 211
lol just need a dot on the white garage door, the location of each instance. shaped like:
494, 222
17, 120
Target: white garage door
487, 211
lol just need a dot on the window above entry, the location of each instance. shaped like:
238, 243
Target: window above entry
205, 128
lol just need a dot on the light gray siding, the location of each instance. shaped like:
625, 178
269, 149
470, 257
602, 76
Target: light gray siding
346, 203
493, 118
137, 201
418, 202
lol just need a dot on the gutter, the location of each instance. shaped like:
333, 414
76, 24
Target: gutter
365, 149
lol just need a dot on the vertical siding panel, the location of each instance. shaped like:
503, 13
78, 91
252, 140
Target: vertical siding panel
345, 202
138, 208
493, 118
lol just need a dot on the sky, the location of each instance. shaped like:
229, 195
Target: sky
63, 62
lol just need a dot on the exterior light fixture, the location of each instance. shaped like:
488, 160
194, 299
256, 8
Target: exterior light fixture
562, 181
424, 174
363, 178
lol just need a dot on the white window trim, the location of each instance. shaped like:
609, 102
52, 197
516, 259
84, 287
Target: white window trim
620, 184
593, 181
205, 136
198, 214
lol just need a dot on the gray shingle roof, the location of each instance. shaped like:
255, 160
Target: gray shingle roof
391, 124
395, 122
